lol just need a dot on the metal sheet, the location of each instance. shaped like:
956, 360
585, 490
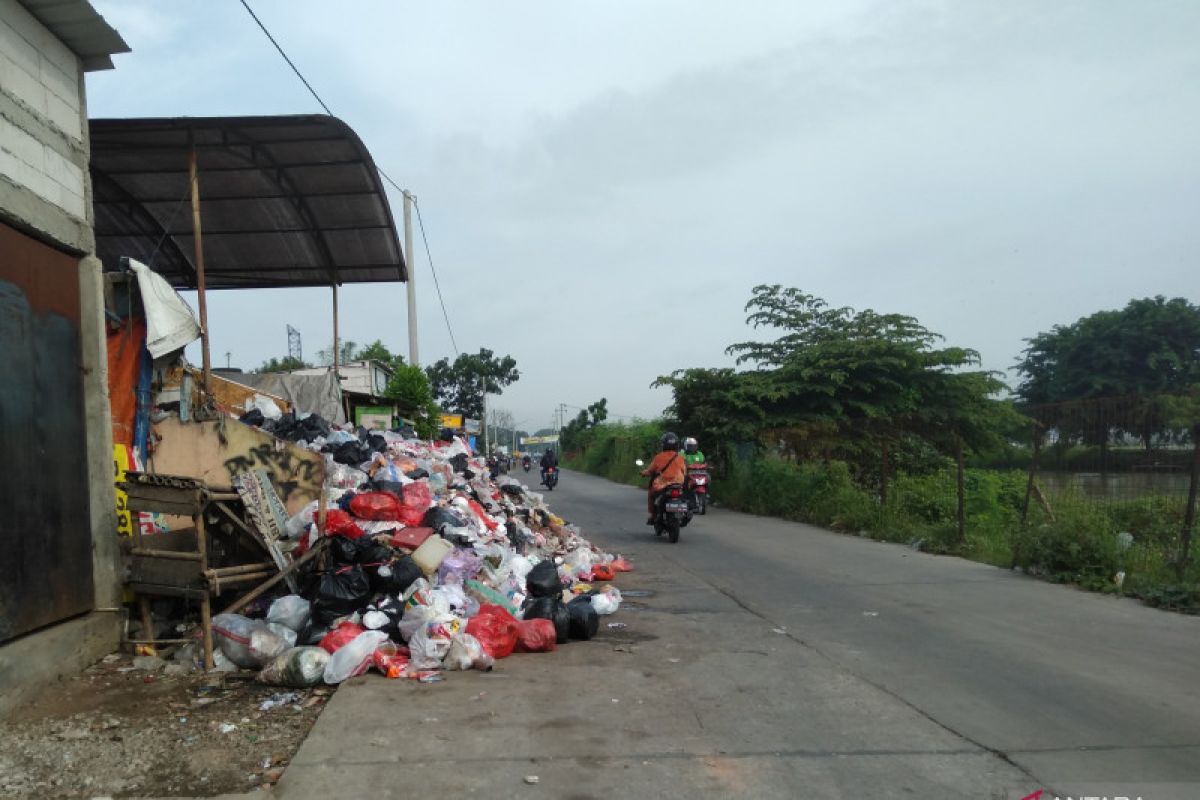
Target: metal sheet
45, 529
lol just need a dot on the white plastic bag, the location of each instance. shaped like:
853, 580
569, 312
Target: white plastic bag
249, 643
299, 523
431, 642
264, 404
283, 632
354, 658
465, 652
290, 610
298, 668
608, 601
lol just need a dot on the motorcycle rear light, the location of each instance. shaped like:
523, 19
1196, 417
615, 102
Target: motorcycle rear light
675, 493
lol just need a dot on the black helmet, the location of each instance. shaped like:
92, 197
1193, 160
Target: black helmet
669, 441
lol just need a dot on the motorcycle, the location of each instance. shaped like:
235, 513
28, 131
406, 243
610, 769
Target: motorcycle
551, 479
696, 487
671, 511
527, 463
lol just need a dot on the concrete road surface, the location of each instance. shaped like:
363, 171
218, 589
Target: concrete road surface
770, 659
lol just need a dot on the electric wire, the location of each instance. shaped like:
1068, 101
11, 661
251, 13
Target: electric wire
382, 174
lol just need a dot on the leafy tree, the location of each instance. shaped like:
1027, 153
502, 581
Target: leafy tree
378, 351
409, 387
347, 351
717, 406
1150, 347
460, 384
285, 364
587, 418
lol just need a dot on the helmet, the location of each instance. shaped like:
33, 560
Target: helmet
669, 441
690, 445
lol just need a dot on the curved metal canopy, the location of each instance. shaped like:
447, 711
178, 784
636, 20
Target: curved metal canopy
284, 201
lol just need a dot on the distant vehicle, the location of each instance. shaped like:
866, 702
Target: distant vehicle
671, 511
551, 479
527, 462
696, 487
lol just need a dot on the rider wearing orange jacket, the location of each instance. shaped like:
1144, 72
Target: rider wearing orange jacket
666, 468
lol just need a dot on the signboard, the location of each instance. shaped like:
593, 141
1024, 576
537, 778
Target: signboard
471, 426
454, 421
539, 440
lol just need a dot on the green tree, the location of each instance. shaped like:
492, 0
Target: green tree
587, 419
460, 384
347, 351
285, 364
378, 351
410, 388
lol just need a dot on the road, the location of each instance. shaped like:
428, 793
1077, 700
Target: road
772, 659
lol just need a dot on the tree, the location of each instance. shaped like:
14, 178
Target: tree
587, 418
285, 364
347, 351
409, 387
460, 384
1150, 347
378, 351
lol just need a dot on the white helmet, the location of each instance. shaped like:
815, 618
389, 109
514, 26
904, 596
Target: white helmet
690, 445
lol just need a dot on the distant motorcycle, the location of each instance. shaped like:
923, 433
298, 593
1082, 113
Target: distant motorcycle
551, 479
696, 487
671, 511
527, 463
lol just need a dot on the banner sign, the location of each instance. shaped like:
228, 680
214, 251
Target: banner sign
454, 421
539, 440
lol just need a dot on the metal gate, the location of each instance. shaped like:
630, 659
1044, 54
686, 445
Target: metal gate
45, 531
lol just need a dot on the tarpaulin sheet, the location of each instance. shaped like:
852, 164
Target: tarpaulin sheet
170, 323
308, 394
125, 346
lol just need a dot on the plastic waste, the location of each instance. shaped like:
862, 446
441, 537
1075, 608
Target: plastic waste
283, 632
297, 668
341, 636
608, 601
585, 622
265, 405
429, 645
431, 553
354, 658
340, 592
391, 659
543, 580
376, 505
553, 609
496, 630
248, 643
467, 652
291, 610
536, 636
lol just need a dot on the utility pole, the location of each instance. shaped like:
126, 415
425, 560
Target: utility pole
411, 284
228, 355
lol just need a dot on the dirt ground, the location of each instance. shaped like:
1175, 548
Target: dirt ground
152, 730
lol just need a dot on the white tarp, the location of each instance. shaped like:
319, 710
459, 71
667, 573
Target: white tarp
170, 323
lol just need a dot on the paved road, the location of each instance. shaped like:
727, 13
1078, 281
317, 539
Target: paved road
771, 659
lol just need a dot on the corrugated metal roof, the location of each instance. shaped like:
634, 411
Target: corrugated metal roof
80, 28
284, 201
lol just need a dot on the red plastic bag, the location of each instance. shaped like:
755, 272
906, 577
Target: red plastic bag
536, 636
603, 572
418, 495
391, 659
495, 629
341, 636
620, 565
411, 516
376, 506
483, 517
339, 523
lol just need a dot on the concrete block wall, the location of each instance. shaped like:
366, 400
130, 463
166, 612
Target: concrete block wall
43, 140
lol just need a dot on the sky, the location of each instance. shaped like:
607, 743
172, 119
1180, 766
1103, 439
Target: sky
603, 183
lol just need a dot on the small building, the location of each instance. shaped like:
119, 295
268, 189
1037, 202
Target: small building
364, 384
60, 587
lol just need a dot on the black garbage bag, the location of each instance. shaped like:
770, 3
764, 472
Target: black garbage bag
550, 608
417, 474
344, 550
391, 487
314, 425
384, 615
253, 417
340, 592
351, 453
585, 622
543, 581
513, 490
376, 443
459, 463
373, 552
395, 577
440, 517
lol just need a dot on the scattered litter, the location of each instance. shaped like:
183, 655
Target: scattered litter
870, 613
781, 631
227, 727
617, 625
280, 699
532, 779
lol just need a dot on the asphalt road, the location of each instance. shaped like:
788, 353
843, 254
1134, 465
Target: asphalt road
771, 659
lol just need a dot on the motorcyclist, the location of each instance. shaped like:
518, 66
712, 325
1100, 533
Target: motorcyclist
666, 469
691, 452
526, 462
548, 460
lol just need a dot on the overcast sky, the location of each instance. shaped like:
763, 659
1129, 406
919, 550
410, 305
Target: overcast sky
603, 182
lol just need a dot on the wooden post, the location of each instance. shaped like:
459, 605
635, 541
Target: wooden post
198, 249
205, 603
1189, 514
962, 516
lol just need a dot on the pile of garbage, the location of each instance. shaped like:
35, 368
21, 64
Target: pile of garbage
431, 565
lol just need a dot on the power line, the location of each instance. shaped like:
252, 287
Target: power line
379, 169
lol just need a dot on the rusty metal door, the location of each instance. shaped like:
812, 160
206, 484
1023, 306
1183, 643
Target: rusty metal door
45, 531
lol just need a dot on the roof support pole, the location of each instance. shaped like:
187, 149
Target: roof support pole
193, 171
412, 286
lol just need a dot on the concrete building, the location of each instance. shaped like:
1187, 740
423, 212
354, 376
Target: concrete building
60, 587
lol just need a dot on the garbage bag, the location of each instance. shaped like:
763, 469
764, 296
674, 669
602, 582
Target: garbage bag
339, 523
620, 564
536, 636
608, 601
344, 551
351, 454
419, 495
603, 572
355, 658
384, 615
248, 643
253, 417
395, 577
376, 505
467, 652
340, 636
417, 474
430, 643
291, 610
542, 580
376, 443
585, 622
496, 630
486, 594
391, 659
283, 632
297, 668
550, 608
339, 593
439, 517
391, 487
